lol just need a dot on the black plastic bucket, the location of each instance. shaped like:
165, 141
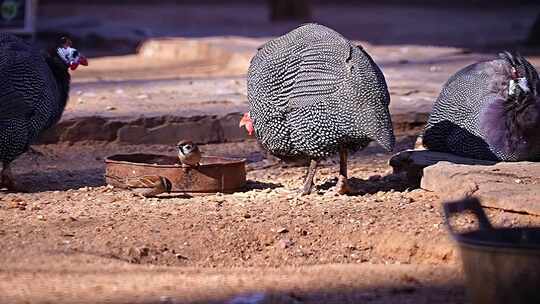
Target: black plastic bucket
501, 265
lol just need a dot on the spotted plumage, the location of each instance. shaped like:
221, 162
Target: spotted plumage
33, 93
488, 110
312, 93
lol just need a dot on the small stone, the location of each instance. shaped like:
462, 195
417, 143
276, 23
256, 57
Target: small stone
110, 108
282, 230
518, 181
247, 215
142, 96
285, 243
40, 217
180, 257
351, 247
166, 299
139, 251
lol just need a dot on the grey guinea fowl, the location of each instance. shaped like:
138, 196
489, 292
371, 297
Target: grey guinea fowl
34, 88
488, 110
312, 93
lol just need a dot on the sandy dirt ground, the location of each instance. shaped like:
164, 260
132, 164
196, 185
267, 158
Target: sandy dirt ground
70, 238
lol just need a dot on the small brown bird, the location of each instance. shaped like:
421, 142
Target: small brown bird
149, 185
188, 153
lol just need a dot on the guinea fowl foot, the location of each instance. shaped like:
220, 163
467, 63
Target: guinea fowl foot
342, 186
308, 182
305, 190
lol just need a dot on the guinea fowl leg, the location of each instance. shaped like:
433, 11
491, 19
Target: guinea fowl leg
342, 186
7, 177
308, 182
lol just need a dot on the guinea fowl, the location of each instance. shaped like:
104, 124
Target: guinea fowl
312, 94
488, 110
33, 94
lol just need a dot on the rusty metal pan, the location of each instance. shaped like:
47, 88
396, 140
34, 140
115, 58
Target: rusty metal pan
214, 174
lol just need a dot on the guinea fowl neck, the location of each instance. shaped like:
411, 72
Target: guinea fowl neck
60, 72
512, 126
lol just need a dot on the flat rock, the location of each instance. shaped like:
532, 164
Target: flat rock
513, 186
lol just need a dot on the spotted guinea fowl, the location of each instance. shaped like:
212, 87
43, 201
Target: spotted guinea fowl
33, 94
312, 94
488, 110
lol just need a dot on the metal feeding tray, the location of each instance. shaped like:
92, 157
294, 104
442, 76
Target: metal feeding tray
214, 174
502, 265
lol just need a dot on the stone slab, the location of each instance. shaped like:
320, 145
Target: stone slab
513, 186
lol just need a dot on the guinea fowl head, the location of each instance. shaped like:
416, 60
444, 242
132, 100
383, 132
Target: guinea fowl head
518, 106
247, 123
523, 123
70, 56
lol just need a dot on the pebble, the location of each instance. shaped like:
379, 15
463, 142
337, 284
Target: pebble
285, 243
166, 299
180, 257
110, 108
282, 230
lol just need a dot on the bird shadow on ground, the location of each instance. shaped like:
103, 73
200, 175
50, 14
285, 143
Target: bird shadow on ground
373, 185
257, 185
59, 180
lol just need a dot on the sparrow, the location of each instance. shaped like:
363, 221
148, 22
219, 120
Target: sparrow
149, 185
188, 153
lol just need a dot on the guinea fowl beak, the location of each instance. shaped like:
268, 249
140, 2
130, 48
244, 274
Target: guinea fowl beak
83, 60
75, 64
